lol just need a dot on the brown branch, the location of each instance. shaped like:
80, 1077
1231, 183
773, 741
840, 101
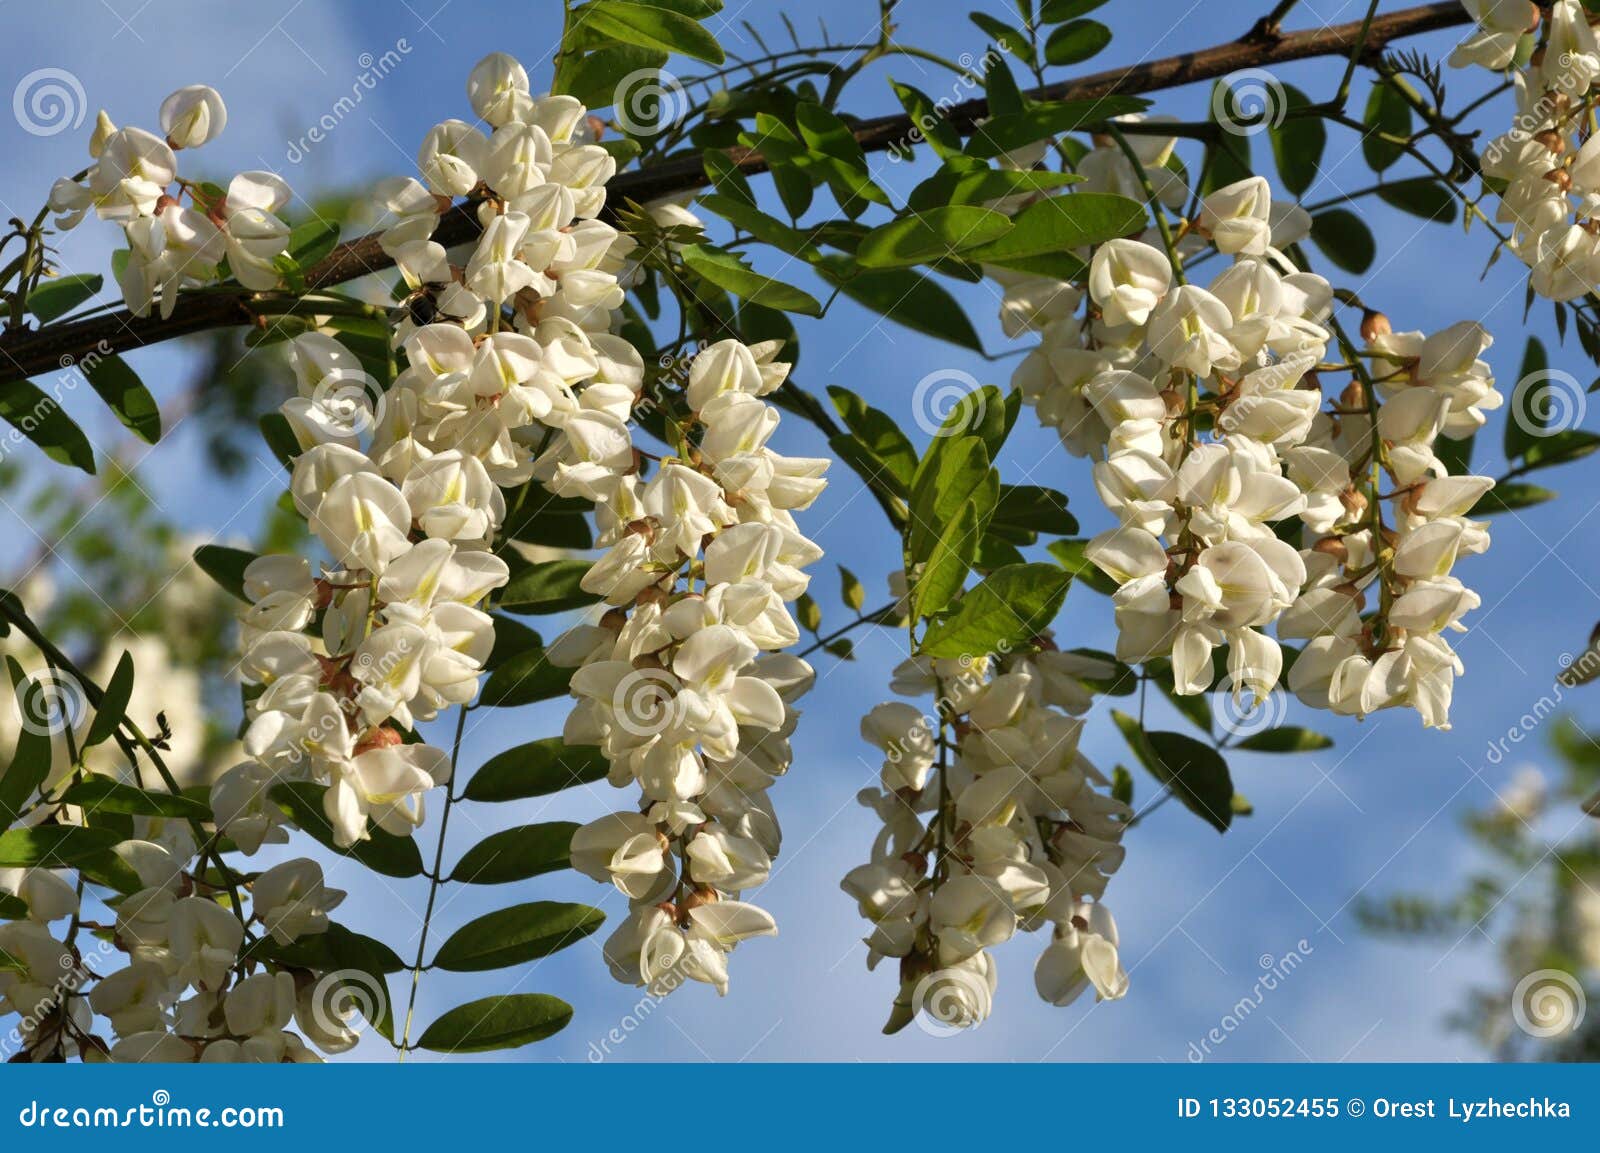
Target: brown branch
24, 354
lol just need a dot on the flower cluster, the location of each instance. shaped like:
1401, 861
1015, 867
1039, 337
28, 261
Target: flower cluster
181, 997
1547, 167
1022, 833
683, 682
1203, 414
512, 377
172, 244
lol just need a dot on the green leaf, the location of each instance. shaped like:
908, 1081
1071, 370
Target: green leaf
1195, 772
1056, 11
948, 480
1423, 196
1005, 37
1285, 739
595, 78
1008, 609
113, 704
947, 565
1076, 41
1509, 497
1060, 223
225, 566
59, 296
40, 418
301, 802
536, 769
280, 437
647, 26
1387, 113
1000, 86
878, 435
725, 177
511, 637
336, 948
503, 1022
1035, 509
1069, 555
516, 935
547, 587
913, 300
850, 590
516, 854
952, 185
1007, 132
728, 272
33, 756
524, 679
1344, 239
929, 120
125, 394
102, 794
312, 241
1560, 448
54, 846
930, 236
1298, 143
1122, 785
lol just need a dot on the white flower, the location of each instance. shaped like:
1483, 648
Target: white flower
1083, 953
193, 116
623, 849
291, 901
450, 157
1237, 216
1127, 278
204, 939
497, 87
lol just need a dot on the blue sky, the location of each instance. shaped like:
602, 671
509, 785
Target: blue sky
1199, 913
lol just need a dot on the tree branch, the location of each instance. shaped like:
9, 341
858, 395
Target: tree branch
24, 354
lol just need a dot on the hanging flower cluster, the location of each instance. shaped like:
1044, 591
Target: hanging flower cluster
512, 375
1203, 413
993, 821
683, 683
1547, 167
180, 998
172, 245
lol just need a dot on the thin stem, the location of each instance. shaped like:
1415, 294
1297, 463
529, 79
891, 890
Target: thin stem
434, 879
